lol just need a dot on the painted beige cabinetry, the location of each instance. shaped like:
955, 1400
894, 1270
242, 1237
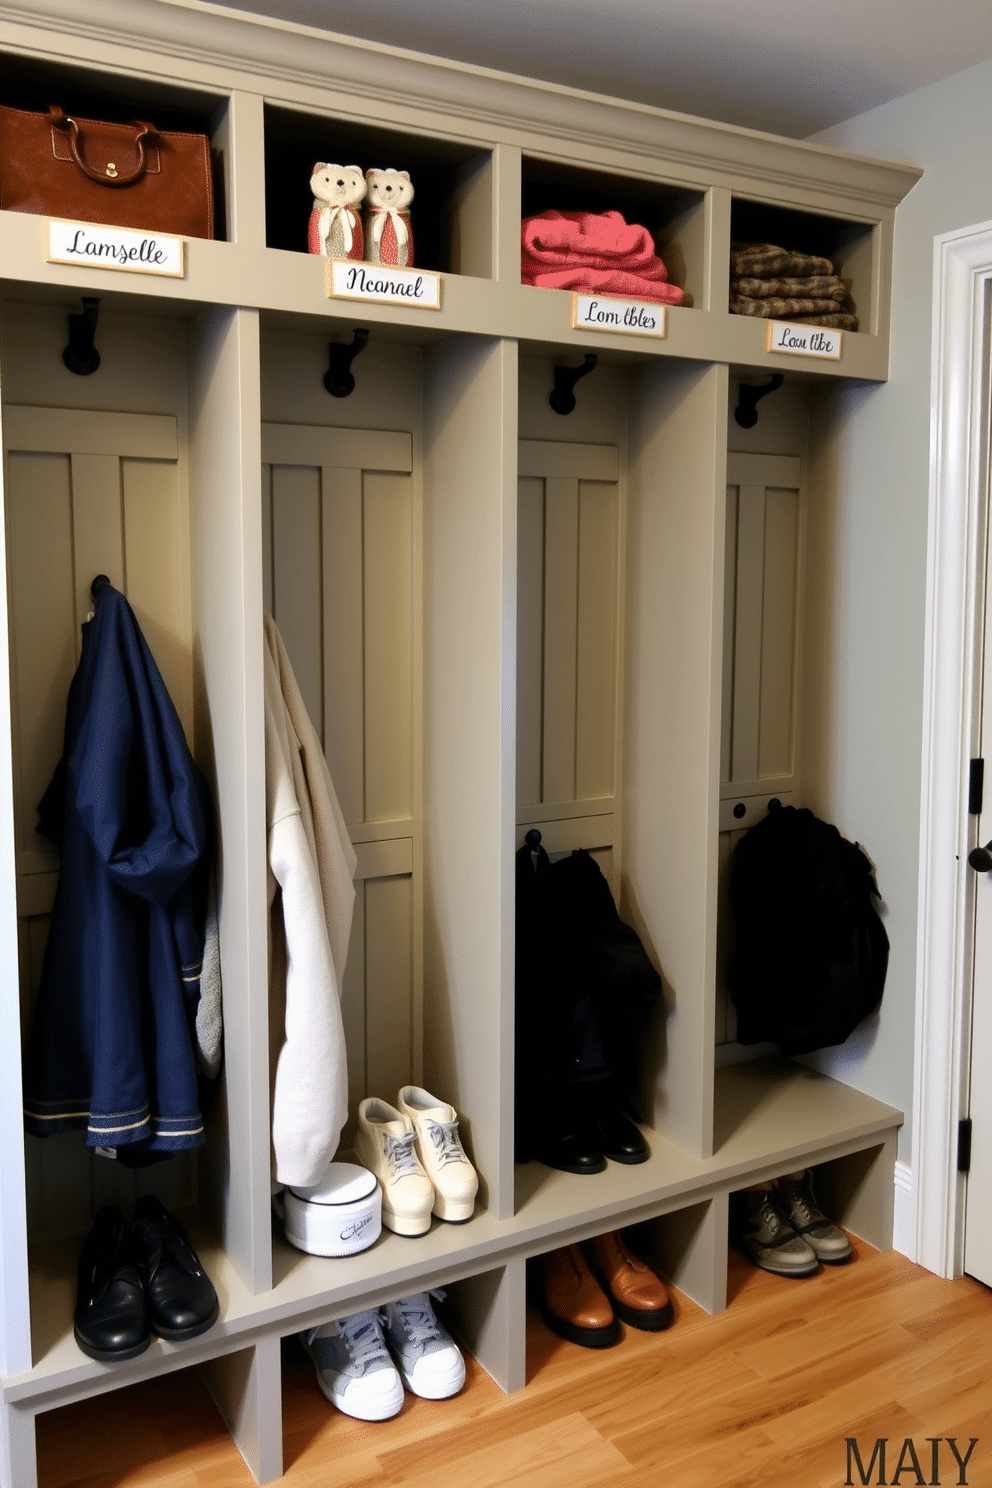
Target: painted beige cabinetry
606, 625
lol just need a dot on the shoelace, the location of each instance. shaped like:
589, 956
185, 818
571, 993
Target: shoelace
772, 1218
399, 1151
363, 1340
444, 1135
805, 1206
417, 1316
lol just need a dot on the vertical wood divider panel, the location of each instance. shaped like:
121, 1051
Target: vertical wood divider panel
675, 577
18, 1450
470, 455
241, 135
15, 1312
247, 1389
691, 1249
507, 188
225, 478
718, 250
491, 1313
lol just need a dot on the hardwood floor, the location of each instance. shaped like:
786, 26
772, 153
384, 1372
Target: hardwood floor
764, 1394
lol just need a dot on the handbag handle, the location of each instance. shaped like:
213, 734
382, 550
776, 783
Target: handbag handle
61, 121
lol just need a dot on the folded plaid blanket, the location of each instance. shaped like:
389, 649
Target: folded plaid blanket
831, 315
816, 286
606, 281
767, 261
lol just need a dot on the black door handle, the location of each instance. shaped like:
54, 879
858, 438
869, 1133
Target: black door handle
980, 858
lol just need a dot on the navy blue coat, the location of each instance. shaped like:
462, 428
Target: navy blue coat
113, 1037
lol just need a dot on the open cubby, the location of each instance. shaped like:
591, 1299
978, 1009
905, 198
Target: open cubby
451, 210
672, 214
33, 84
850, 246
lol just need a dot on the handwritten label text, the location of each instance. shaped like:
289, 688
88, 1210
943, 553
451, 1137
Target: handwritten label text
804, 340
384, 284
625, 317
115, 248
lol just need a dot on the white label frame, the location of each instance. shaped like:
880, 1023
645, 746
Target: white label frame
791, 338
624, 317
382, 284
127, 250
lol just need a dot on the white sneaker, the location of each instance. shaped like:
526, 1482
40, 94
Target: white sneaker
455, 1181
426, 1355
385, 1144
353, 1367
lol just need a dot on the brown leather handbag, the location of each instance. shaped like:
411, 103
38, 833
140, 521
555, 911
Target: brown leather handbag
123, 175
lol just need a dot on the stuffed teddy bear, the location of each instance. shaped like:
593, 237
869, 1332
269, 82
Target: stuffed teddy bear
388, 233
335, 224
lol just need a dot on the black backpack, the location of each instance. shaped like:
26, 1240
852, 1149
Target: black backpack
811, 952
584, 991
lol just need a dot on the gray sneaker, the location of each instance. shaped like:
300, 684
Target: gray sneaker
764, 1234
426, 1355
353, 1368
798, 1203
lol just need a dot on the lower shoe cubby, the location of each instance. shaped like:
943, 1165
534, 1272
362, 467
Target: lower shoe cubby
148, 1430
770, 1119
185, 1399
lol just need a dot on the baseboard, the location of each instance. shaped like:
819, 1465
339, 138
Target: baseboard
904, 1212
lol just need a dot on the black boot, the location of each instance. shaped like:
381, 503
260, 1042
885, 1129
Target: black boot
111, 1319
181, 1297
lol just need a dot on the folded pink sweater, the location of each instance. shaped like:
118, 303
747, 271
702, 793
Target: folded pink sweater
593, 251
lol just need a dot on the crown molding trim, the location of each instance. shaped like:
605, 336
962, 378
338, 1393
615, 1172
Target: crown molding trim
502, 106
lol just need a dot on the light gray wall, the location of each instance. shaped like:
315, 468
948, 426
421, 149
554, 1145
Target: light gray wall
868, 709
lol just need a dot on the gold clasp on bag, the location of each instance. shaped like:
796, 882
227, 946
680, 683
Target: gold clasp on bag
111, 169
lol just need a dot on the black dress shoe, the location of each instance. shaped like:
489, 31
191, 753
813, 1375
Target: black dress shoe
180, 1295
574, 1153
110, 1321
620, 1139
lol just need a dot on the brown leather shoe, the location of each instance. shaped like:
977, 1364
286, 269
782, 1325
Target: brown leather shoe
573, 1303
637, 1294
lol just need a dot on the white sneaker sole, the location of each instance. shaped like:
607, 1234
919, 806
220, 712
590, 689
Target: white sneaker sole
406, 1224
455, 1211
376, 1408
438, 1386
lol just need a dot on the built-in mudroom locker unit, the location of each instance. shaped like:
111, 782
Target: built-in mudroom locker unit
612, 625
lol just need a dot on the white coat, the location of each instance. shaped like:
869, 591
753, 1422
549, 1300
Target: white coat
311, 899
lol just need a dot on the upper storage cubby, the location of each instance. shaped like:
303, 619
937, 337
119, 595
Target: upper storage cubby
672, 215
451, 214
85, 93
848, 245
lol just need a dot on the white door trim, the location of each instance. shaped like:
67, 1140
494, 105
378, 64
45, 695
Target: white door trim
955, 581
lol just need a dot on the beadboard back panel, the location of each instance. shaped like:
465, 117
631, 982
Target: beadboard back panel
87, 493
338, 545
568, 527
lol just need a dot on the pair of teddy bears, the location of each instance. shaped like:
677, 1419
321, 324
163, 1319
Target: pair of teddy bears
336, 226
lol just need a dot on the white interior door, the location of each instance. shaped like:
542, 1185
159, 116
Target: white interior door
978, 1191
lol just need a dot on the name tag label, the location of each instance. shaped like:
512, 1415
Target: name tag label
127, 249
804, 340
382, 284
622, 317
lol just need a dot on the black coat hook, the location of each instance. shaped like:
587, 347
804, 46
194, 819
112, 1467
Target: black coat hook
338, 379
746, 412
81, 356
562, 396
